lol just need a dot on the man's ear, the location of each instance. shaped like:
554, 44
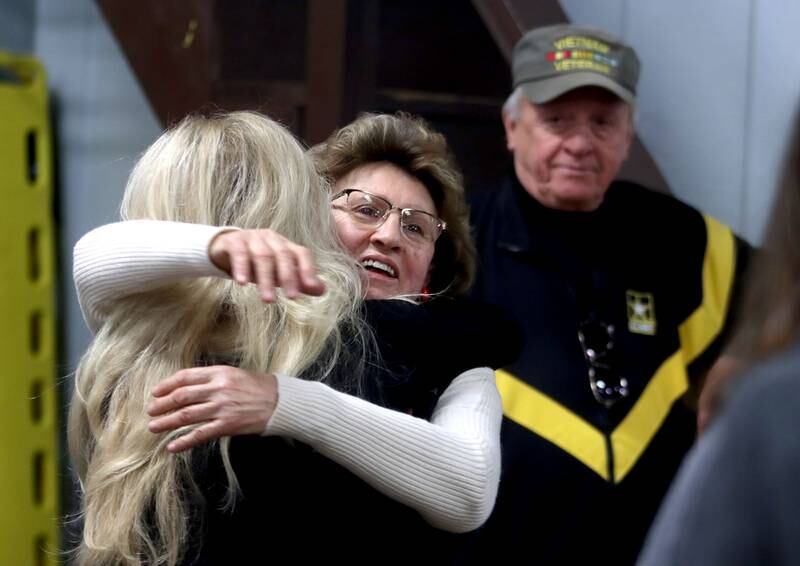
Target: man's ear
630, 136
510, 126
629, 143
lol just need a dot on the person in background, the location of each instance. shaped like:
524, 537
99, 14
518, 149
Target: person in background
153, 291
736, 497
624, 296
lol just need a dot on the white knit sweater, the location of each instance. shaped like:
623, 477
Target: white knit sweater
447, 468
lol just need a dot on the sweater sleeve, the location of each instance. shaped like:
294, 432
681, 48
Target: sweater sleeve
129, 257
447, 469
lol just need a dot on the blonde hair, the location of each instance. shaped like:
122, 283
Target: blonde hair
412, 145
239, 169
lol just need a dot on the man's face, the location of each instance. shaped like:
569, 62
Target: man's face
567, 151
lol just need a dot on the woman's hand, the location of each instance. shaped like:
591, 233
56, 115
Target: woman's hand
223, 400
267, 259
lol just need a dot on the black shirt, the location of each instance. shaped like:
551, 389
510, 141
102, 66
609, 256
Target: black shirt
298, 503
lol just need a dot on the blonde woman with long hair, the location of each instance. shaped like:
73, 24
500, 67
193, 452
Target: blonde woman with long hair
159, 303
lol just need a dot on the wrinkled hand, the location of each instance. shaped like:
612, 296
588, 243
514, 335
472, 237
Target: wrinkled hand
267, 259
223, 400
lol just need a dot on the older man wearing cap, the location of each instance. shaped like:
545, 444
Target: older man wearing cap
624, 295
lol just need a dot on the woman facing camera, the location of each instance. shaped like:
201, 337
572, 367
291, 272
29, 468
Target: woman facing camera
340, 467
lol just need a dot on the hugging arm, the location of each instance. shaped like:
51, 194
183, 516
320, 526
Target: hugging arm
446, 468
117, 260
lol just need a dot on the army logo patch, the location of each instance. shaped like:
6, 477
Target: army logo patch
641, 312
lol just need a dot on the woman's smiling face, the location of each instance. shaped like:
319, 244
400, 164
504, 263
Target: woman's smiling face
393, 265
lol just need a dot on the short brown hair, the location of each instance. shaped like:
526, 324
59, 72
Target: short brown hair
409, 143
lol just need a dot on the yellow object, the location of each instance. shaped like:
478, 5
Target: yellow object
29, 499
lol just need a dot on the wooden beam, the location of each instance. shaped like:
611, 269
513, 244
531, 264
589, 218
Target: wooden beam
326, 39
281, 100
438, 103
361, 64
169, 46
505, 28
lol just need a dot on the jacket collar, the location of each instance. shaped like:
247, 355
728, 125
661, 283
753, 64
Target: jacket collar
525, 225
513, 233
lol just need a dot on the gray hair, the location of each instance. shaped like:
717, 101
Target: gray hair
512, 106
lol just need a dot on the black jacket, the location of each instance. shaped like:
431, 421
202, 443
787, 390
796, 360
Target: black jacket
299, 504
582, 481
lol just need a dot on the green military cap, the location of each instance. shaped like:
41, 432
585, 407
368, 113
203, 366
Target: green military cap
551, 61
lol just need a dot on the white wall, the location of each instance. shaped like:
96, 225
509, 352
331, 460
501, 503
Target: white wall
102, 123
720, 82
17, 19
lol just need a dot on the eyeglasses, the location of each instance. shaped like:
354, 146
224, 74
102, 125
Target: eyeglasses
597, 341
419, 227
